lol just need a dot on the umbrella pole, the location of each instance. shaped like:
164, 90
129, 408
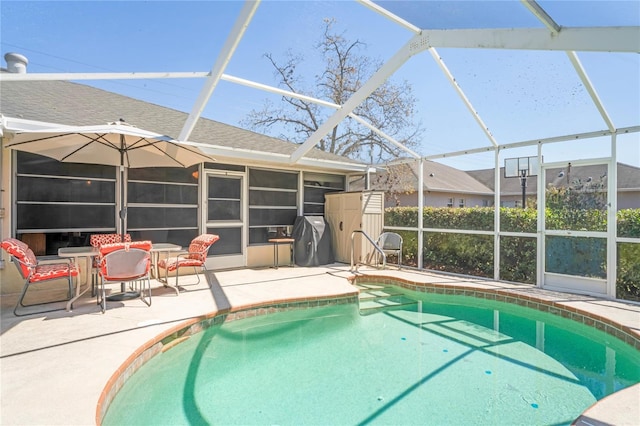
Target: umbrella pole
124, 294
122, 214
123, 210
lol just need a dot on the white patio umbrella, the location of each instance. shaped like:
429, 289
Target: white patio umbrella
116, 144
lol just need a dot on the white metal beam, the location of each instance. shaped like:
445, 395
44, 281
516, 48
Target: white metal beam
577, 65
12, 124
397, 60
464, 98
277, 91
612, 188
220, 151
565, 138
587, 39
496, 215
384, 135
307, 98
390, 16
247, 12
555, 29
420, 212
68, 76
542, 15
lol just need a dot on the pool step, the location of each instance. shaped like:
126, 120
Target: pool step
378, 294
376, 298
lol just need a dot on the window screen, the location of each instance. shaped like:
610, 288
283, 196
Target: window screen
273, 203
163, 201
60, 204
316, 185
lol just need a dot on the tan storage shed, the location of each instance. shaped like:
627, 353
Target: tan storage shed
350, 211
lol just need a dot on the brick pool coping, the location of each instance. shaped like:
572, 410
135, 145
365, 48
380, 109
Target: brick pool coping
540, 300
544, 301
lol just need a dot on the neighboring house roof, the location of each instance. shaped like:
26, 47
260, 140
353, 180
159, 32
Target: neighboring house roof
437, 178
628, 178
68, 103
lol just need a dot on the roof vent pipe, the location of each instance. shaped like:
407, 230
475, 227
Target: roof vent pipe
16, 63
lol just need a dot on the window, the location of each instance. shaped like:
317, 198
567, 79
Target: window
273, 203
461, 202
163, 204
61, 204
450, 202
316, 185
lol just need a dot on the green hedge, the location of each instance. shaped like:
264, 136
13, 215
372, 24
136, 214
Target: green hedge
473, 254
629, 223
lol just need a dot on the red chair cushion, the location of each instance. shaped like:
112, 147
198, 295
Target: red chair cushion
173, 263
200, 245
197, 253
97, 240
108, 248
54, 270
22, 252
29, 265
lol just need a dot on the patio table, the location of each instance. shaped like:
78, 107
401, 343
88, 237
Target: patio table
276, 242
167, 248
75, 253
88, 252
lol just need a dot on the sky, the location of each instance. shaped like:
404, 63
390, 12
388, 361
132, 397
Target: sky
520, 95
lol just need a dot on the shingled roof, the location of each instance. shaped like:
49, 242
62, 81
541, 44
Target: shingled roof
69, 103
628, 178
437, 178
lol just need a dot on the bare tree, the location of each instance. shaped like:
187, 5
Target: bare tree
390, 108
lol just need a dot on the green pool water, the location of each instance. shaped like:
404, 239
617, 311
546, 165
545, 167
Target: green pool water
455, 361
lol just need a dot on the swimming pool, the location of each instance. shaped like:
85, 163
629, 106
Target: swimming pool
444, 360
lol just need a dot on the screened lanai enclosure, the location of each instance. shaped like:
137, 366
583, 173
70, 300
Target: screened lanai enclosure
543, 94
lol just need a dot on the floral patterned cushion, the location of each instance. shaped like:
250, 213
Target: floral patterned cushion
29, 263
55, 270
97, 240
173, 263
22, 252
108, 248
200, 246
197, 253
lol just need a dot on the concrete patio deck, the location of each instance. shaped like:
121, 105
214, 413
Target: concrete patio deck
55, 366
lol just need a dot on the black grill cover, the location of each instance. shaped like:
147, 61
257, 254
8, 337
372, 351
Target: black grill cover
313, 241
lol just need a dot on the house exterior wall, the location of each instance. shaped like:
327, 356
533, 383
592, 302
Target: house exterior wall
441, 199
629, 200
255, 254
9, 276
626, 200
264, 255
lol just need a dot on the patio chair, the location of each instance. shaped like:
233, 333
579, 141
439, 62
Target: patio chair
391, 243
195, 257
124, 262
96, 240
35, 272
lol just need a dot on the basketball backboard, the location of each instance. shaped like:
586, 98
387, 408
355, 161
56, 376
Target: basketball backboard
520, 167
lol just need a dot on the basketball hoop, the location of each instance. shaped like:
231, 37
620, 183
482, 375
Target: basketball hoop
521, 167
